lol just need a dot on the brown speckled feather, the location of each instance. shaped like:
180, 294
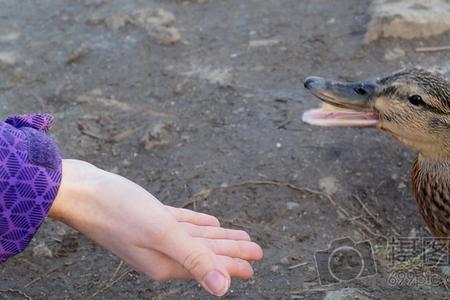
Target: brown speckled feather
431, 187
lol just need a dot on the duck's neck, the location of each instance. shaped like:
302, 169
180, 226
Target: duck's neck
431, 184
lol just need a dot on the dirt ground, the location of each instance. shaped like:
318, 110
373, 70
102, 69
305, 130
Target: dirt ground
218, 109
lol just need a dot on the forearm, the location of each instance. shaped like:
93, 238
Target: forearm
100, 204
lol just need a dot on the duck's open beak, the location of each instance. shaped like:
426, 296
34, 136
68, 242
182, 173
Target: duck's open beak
344, 104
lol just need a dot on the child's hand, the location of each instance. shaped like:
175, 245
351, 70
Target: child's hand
161, 241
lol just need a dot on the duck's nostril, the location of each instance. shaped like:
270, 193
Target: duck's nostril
360, 91
308, 81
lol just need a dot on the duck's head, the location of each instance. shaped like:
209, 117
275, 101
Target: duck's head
412, 105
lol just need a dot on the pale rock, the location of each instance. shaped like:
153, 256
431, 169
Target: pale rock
221, 76
42, 250
61, 231
165, 35
7, 59
95, 3
292, 205
346, 294
401, 186
285, 261
393, 54
157, 23
328, 185
407, 19
413, 233
263, 43
275, 268
157, 136
159, 17
9, 37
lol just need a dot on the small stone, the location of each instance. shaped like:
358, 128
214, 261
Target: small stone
96, 92
9, 37
126, 163
42, 250
95, 3
157, 23
275, 268
165, 35
401, 186
285, 261
77, 54
158, 17
95, 21
118, 21
292, 205
157, 136
393, 54
263, 43
412, 233
61, 231
114, 170
348, 293
7, 59
278, 145
213, 75
328, 185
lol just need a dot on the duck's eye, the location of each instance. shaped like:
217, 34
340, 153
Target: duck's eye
360, 91
416, 100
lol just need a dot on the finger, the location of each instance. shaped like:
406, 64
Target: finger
156, 265
211, 232
197, 258
168, 269
237, 268
236, 249
186, 215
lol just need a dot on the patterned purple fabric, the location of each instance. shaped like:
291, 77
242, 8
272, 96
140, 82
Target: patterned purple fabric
41, 122
30, 175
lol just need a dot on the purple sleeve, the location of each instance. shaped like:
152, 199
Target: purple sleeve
41, 122
30, 175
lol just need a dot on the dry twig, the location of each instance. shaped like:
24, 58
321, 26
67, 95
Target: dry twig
17, 291
433, 49
116, 271
110, 284
297, 265
205, 193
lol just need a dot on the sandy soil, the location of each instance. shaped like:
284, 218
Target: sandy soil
217, 107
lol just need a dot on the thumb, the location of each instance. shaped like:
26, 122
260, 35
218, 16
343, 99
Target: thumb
197, 259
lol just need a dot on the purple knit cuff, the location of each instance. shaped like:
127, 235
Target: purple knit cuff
30, 176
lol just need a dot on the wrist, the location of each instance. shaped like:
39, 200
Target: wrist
78, 184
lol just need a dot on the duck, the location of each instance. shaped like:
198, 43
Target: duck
413, 106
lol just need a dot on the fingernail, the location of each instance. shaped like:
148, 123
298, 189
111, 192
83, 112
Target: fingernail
216, 282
